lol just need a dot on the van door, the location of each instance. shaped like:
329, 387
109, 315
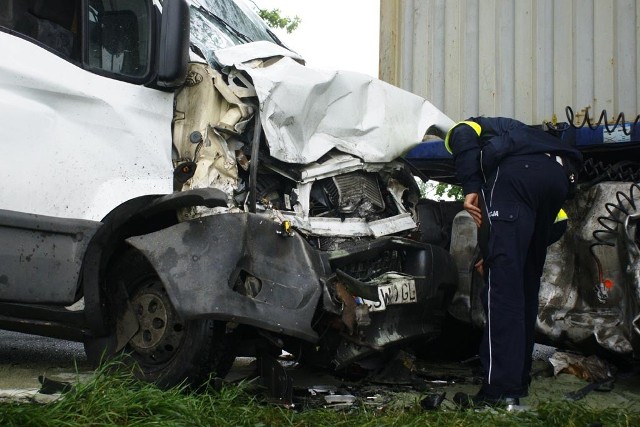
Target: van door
81, 133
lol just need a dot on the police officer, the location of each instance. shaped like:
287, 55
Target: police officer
515, 180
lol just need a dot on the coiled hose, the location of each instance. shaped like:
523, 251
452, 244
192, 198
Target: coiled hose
603, 120
619, 212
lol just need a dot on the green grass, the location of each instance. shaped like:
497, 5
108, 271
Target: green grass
115, 398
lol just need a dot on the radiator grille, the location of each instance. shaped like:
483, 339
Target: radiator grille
349, 191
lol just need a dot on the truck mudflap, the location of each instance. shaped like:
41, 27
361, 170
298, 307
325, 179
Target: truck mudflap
239, 267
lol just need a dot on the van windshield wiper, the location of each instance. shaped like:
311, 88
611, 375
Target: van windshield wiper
197, 50
275, 38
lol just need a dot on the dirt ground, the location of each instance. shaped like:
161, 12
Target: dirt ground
403, 380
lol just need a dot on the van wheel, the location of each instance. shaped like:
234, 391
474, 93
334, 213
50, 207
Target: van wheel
167, 349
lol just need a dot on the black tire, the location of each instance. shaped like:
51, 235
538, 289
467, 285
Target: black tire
167, 350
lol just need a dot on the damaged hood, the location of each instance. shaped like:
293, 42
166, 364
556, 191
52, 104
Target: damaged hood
307, 112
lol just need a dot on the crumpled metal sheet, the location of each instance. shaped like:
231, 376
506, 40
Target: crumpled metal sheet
202, 263
210, 109
307, 112
572, 311
572, 307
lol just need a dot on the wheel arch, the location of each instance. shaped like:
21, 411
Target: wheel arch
137, 216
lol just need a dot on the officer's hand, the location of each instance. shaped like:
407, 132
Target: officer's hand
472, 205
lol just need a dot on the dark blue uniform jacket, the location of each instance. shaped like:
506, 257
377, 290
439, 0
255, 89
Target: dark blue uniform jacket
477, 158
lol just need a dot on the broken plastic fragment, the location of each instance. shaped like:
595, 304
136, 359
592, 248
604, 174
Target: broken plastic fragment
340, 398
322, 389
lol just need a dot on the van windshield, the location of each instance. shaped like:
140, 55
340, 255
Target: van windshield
218, 24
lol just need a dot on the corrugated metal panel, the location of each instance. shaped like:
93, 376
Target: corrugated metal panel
526, 59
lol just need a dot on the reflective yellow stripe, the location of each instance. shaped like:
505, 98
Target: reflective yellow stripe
473, 125
562, 216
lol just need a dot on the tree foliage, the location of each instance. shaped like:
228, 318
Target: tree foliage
431, 190
275, 19
454, 192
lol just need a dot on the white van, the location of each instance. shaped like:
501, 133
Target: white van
177, 186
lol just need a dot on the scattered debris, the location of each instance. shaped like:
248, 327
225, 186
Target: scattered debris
432, 401
590, 368
340, 399
322, 389
593, 369
17, 395
50, 386
605, 385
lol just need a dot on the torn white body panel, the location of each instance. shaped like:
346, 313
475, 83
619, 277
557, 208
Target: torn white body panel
305, 112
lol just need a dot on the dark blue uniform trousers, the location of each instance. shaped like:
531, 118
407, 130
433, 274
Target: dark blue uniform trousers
522, 198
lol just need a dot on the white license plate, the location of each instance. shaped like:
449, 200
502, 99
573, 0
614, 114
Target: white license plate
398, 292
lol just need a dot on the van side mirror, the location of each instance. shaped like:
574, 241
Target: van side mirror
173, 56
